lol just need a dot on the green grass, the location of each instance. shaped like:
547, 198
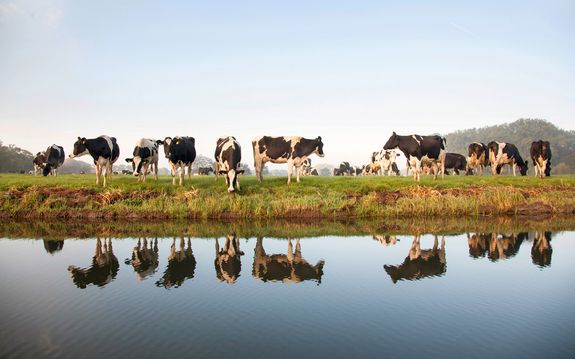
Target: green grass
77, 196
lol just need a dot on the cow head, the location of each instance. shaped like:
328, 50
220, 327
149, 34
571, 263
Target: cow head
80, 148
141, 157
523, 168
392, 142
231, 178
319, 147
47, 169
167, 141
40, 159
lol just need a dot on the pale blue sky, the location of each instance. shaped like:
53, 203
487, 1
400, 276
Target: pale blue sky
350, 71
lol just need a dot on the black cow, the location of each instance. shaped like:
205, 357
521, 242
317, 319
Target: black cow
104, 267
478, 157
228, 260
314, 172
205, 171
291, 150
228, 156
145, 156
501, 153
456, 162
181, 153
53, 246
181, 266
104, 150
420, 263
418, 149
39, 162
541, 156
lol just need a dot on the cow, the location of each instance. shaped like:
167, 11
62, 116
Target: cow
181, 265
205, 171
54, 159
478, 244
477, 158
52, 246
314, 172
144, 258
420, 263
344, 169
386, 160
505, 246
418, 149
291, 150
306, 167
146, 156
104, 151
127, 172
104, 267
39, 162
228, 260
541, 156
386, 240
541, 251
181, 153
228, 156
456, 162
286, 268
502, 153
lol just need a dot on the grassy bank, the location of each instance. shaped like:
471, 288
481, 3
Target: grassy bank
76, 196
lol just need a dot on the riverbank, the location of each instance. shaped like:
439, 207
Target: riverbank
77, 197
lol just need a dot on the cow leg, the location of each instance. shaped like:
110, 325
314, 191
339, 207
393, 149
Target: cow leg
290, 253
98, 173
182, 174
290, 170
190, 171
155, 169
238, 182
513, 167
258, 166
298, 172
217, 173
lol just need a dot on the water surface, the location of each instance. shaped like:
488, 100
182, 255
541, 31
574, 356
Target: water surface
474, 293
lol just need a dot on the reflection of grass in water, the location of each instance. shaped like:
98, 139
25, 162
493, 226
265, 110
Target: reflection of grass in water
55, 229
76, 196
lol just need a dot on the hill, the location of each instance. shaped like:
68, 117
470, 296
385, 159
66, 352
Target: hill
521, 133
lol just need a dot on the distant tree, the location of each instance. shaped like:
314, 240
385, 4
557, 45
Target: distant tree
15, 159
202, 161
521, 133
325, 172
246, 168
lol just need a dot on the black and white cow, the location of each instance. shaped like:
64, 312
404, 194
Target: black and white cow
501, 153
54, 158
205, 171
181, 153
145, 156
418, 149
420, 263
228, 157
344, 169
456, 162
306, 167
104, 150
291, 150
39, 162
386, 160
478, 157
541, 156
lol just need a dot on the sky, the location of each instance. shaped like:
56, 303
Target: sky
349, 71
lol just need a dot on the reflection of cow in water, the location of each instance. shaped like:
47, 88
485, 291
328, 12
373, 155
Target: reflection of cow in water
292, 268
228, 261
496, 246
53, 246
181, 265
420, 263
103, 270
386, 240
144, 258
541, 251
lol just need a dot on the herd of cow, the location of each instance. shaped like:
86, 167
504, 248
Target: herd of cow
424, 154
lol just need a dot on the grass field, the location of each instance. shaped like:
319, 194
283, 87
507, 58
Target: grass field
77, 196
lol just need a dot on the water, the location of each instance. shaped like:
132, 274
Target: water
487, 294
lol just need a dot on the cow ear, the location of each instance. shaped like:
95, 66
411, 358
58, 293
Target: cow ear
160, 142
129, 160
79, 138
394, 133
319, 138
240, 171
